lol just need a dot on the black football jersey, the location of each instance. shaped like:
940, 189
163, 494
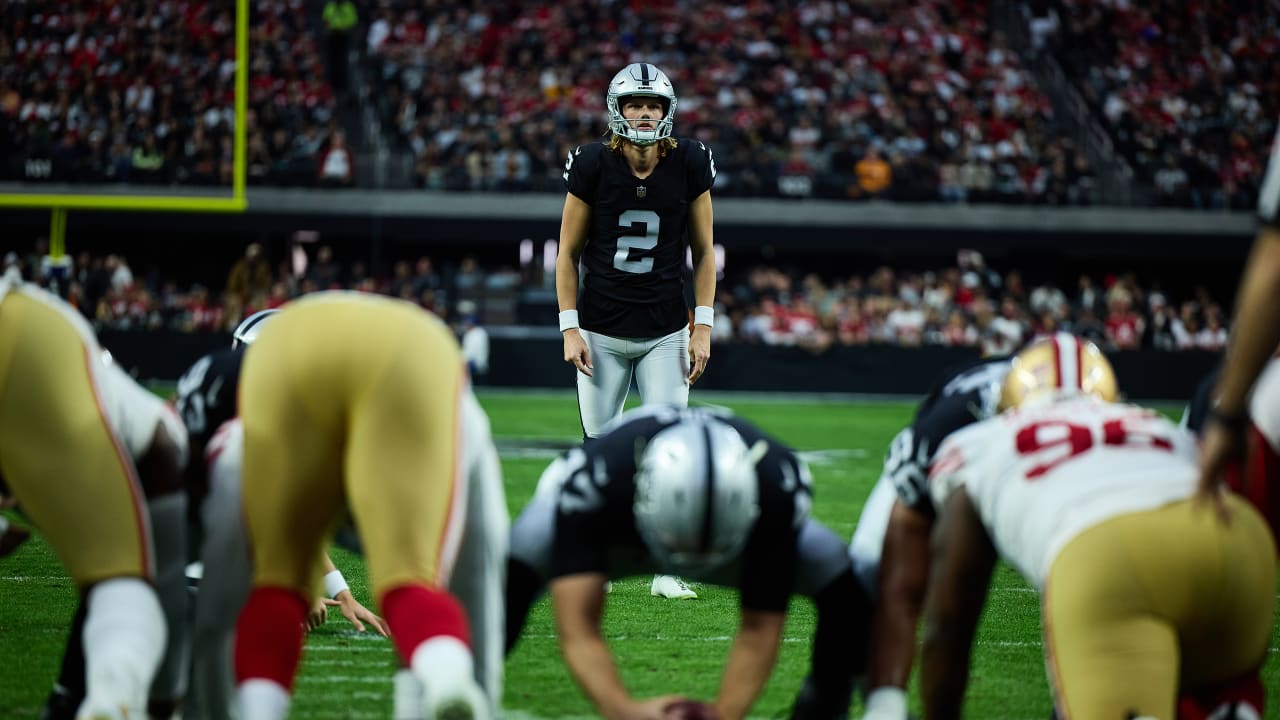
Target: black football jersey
961, 398
595, 528
206, 400
634, 260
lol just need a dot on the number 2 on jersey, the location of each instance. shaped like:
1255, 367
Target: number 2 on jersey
1060, 440
644, 237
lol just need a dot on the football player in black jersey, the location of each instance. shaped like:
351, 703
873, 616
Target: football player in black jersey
890, 546
713, 498
634, 204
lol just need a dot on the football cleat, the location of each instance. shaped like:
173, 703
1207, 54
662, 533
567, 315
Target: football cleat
671, 588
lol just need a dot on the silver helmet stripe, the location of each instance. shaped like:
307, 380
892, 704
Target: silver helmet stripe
709, 501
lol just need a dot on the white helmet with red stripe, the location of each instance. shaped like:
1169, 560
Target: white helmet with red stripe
1060, 364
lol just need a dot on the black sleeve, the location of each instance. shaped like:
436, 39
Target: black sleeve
769, 559
593, 512
701, 167
907, 467
1269, 195
582, 171
206, 400
959, 399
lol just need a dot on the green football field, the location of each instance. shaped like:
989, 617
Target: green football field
662, 646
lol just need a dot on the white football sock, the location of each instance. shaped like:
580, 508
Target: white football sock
261, 699
408, 696
124, 637
442, 661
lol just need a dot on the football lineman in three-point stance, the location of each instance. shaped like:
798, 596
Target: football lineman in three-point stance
396, 439
1143, 592
713, 498
57, 442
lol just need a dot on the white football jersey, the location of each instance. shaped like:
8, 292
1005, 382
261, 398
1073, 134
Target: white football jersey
1040, 476
1264, 405
134, 412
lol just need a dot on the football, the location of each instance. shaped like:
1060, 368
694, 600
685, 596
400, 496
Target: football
690, 710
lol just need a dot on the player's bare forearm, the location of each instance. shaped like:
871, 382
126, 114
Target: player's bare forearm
1255, 327
751, 660
963, 559
577, 601
573, 239
593, 668
566, 282
702, 248
904, 568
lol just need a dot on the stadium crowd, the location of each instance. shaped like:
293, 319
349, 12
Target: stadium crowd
967, 304
1187, 90
144, 93
839, 100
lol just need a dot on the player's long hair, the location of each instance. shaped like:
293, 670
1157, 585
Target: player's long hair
665, 145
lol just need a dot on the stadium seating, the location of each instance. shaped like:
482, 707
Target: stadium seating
143, 93
1186, 89
791, 99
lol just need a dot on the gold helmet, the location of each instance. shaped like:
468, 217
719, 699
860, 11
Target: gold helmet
1060, 363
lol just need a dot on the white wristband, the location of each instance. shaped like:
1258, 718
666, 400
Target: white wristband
703, 315
4, 524
568, 320
334, 583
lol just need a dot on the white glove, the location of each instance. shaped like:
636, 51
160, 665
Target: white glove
886, 703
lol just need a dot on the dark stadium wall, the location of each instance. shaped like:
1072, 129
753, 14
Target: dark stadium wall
875, 370
201, 248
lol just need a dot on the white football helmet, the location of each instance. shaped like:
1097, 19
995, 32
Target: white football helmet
646, 80
696, 494
247, 331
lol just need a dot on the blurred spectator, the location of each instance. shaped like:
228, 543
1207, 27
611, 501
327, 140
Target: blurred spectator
874, 176
249, 276
325, 272
336, 162
119, 272
340, 18
474, 339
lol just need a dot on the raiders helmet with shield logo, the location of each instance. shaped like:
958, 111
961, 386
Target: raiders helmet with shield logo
645, 80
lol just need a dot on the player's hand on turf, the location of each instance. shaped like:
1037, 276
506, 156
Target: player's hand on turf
319, 612
358, 615
1218, 447
651, 709
576, 352
699, 351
